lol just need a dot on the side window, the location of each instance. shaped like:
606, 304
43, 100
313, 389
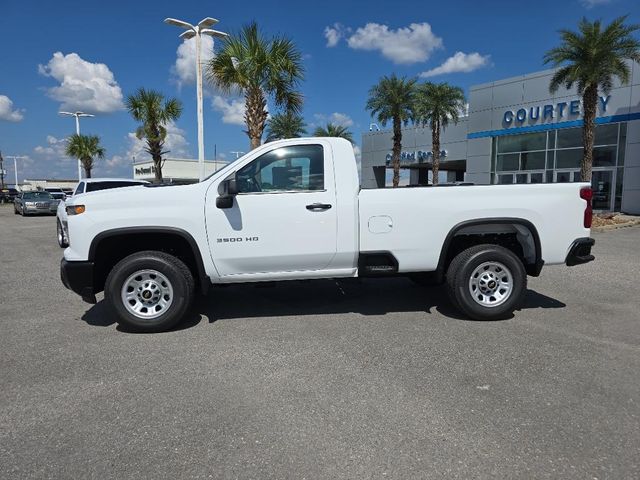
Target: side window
286, 169
79, 188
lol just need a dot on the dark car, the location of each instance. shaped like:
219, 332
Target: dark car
8, 194
28, 203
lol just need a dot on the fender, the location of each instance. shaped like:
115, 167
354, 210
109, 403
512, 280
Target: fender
205, 281
533, 270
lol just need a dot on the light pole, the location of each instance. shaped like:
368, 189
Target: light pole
237, 154
15, 166
77, 115
202, 28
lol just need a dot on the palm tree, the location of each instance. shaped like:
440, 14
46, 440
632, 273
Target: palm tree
259, 69
591, 58
393, 98
154, 112
285, 125
85, 148
333, 130
436, 105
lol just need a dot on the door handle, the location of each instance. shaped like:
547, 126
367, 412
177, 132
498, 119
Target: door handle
317, 207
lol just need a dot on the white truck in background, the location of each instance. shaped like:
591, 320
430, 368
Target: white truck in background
293, 209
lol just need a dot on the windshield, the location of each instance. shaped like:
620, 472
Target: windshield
37, 196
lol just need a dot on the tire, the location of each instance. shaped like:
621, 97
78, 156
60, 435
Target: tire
166, 280
486, 282
62, 239
15, 210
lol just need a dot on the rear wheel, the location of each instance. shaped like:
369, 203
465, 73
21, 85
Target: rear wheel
149, 291
486, 282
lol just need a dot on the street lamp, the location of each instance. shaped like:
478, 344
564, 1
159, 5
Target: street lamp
15, 166
202, 28
77, 115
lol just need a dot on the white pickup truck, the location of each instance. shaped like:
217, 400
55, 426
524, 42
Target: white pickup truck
293, 209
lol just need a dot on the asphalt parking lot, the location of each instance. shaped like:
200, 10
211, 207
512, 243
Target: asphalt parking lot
371, 379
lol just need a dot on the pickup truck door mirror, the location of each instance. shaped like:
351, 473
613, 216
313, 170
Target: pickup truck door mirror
226, 191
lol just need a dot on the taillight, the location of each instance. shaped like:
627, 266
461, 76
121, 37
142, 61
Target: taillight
587, 194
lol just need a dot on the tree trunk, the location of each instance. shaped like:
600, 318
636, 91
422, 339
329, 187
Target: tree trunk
435, 150
590, 104
255, 115
397, 149
87, 165
157, 164
155, 150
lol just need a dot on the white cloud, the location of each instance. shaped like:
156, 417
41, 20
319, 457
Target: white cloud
7, 111
232, 109
335, 33
83, 85
460, 62
594, 3
176, 143
408, 45
185, 67
53, 150
336, 118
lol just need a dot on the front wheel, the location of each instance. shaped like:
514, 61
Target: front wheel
486, 282
149, 291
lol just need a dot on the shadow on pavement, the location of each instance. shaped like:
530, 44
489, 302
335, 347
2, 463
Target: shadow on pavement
320, 297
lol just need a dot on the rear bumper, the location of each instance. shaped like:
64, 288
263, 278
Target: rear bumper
78, 277
580, 252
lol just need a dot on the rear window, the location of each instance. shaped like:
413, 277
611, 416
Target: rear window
94, 187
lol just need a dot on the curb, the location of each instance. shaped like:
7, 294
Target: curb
606, 228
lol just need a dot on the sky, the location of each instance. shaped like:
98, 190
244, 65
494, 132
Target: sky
90, 55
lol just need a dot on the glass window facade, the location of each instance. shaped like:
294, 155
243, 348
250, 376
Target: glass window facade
555, 156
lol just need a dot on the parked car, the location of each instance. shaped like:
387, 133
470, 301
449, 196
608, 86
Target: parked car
293, 209
86, 186
8, 195
27, 203
57, 193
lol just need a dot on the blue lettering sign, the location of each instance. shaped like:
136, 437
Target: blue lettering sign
521, 115
574, 107
604, 101
547, 111
537, 113
508, 116
561, 106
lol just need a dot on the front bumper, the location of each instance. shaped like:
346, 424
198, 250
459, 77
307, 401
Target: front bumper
78, 277
580, 252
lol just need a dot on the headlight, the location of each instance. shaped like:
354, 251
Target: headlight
75, 209
30, 204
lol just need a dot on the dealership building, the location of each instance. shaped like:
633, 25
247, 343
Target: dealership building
176, 170
516, 132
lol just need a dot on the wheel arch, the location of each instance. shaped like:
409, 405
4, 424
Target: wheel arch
110, 246
525, 232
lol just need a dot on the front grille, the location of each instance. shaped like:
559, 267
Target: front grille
42, 205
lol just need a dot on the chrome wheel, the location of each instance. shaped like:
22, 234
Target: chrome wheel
491, 284
147, 294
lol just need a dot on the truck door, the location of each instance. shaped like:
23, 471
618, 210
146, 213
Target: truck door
283, 218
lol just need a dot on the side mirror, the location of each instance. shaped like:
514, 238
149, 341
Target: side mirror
226, 191
232, 186
224, 202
